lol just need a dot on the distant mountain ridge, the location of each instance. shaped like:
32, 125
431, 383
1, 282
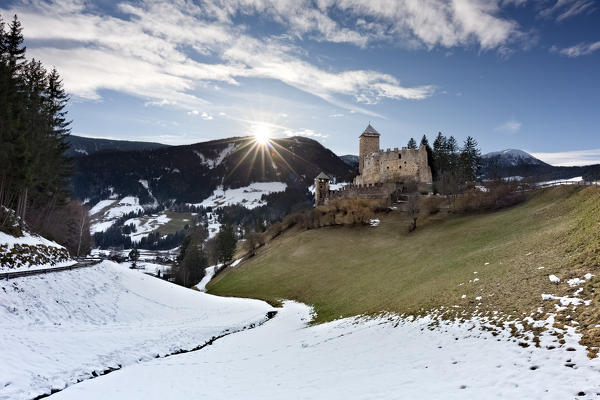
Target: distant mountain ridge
351, 160
513, 162
514, 157
190, 173
80, 146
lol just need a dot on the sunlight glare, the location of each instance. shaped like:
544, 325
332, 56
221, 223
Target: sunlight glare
262, 133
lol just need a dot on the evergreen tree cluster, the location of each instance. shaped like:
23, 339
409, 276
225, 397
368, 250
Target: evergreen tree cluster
452, 166
192, 260
34, 172
226, 244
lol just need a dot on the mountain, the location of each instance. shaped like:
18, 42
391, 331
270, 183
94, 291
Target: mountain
351, 160
512, 162
190, 173
513, 157
80, 146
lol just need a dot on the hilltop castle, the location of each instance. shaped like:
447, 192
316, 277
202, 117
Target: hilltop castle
378, 166
381, 174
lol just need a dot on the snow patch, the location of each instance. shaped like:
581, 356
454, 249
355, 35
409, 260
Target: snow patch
248, 196
554, 278
357, 358
61, 327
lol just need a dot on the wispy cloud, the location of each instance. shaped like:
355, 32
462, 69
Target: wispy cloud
306, 133
204, 115
564, 9
581, 49
510, 126
570, 158
165, 53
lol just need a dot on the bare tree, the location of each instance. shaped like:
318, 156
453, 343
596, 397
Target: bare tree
413, 208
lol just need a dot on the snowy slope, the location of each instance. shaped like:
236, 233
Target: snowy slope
355, 359
59, 328
106, 212
247, 196
29, 252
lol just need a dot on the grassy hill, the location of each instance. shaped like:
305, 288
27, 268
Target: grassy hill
474, 264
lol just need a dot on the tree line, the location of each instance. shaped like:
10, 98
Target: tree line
453, 167
34, 172
196, 253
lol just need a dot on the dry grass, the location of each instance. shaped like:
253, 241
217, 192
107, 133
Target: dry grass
346, 271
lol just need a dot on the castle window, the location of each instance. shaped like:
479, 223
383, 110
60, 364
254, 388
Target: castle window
399, 156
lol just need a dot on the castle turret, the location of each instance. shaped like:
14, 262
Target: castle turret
369, 143
321, 189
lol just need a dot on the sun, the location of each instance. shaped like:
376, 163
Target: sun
262, 133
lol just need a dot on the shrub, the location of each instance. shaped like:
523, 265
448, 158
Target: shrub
499, 195
431, 205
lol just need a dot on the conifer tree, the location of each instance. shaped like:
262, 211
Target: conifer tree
412, 144
440, 156
226, 243
470, 160
33, 126
425, 142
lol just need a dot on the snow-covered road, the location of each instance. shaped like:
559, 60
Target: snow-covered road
59, 328
354, 359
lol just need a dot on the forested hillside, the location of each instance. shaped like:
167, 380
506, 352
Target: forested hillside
34, 172
191, 173
80, 146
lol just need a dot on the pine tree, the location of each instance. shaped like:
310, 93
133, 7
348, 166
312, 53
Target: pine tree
412, 144
14, 47
34, 172
470, 160
226, 243
425, 142
452, 154
440, 156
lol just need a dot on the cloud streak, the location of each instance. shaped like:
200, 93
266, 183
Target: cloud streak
510, 126
570, 158
581, 49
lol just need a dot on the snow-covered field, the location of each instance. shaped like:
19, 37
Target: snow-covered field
247, 196
353, 358
59, 328
561, 181
106, 212
146, 225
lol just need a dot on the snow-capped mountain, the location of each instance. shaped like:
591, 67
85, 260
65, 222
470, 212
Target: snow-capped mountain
513, 163
513, 158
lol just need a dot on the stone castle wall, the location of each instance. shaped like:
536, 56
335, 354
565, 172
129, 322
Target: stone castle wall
371, 191
395, 166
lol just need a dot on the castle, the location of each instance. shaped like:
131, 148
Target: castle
381, 173
378, 166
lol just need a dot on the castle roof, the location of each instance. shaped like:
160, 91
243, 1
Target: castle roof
322, 176
369, 131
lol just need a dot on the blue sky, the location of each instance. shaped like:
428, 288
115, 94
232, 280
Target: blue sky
511, 73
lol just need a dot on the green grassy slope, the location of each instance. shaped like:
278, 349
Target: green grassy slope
346, 271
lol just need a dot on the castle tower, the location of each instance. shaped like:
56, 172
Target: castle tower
369, 143
321, 189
